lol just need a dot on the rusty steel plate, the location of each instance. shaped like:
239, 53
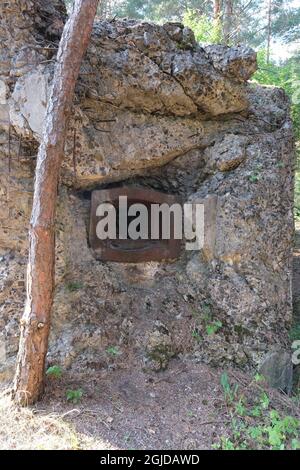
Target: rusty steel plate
132, 251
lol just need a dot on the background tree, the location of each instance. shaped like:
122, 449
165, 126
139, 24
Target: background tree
227, 17
217, 9
106, 8
246, 20
269, 30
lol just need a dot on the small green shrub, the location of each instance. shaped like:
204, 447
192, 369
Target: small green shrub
230, 392
54, 371
213, 327
112, 351
254, 424
74, 396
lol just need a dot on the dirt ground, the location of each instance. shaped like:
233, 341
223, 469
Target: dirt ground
180, 408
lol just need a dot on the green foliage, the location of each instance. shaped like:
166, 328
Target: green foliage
213, 327
254, 424
264, 401
160, 11
205, 30
74, 396
54, 371
285, 20
285, 75
106, 8
279, 430
240, 407
249, 27
258, 378
230, 392
248, 20
204, 321
112, 351
225, 444
256, 175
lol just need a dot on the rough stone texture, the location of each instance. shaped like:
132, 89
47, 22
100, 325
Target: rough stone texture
152, 109
277, 368
237, 62
28, 103
27, 29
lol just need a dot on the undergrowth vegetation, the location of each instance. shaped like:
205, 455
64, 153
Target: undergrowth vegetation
255, 421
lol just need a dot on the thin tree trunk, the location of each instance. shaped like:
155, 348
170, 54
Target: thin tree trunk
269, 31
227, 20
217, 9
35, 323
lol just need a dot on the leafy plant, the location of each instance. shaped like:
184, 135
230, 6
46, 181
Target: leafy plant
284, 75
279, 429
256, 425
264, 401
54, 371
256, 174
225, 444
240, 407
112, 350
213, 327
259, 378
74, 395
254, 177
205, 30
230, 392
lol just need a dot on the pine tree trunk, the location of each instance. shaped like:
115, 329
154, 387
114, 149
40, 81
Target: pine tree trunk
35, 323
269, 34
227, 20
217, 9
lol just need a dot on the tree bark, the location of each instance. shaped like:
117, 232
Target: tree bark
35, 323
217, 9
269, 30
227, 20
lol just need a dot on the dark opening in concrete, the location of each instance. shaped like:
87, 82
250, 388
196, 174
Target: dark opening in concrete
128, 250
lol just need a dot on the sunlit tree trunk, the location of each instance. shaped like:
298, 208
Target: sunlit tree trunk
269, 30
35, 323
227, 20
217, 9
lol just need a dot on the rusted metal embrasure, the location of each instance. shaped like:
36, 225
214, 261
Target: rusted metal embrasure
132, 251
